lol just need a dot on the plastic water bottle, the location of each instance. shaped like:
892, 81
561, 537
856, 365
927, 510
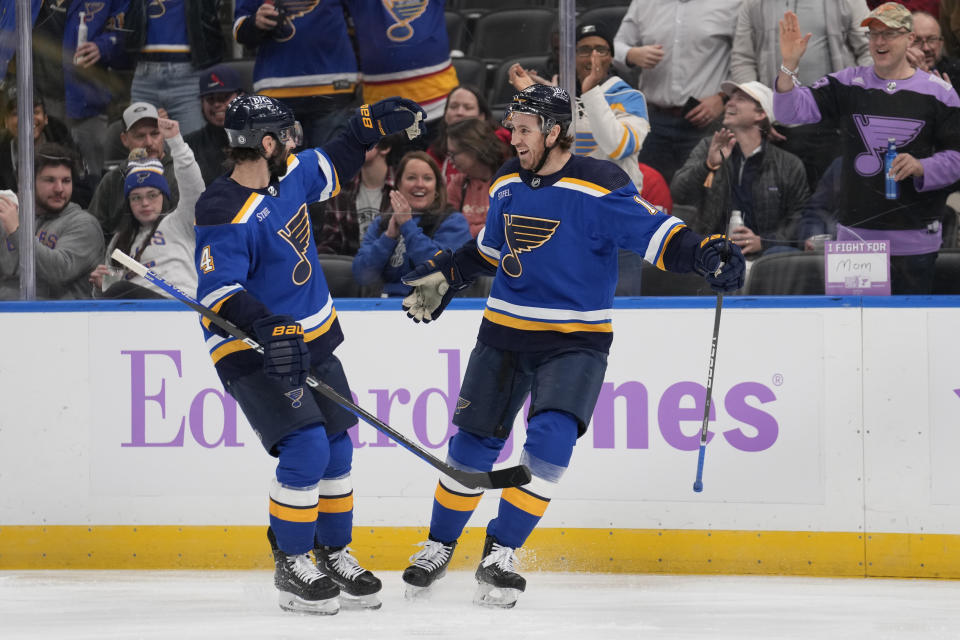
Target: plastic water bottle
81, 34
892, 186
736, 220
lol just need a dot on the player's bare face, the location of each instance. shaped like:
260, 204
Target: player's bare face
461, 104
418, 184
526, 138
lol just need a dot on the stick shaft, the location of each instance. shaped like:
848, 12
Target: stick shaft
704, 429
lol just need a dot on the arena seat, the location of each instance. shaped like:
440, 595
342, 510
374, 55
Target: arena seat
511, 33
654, 282
786, 274
339, 274
472, 71
456, 30
473, 9
946, 277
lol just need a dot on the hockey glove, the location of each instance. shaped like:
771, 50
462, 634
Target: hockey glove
721, 264
434, 283
390, 115
285, 354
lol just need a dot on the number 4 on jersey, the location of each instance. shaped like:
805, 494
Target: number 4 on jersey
206, 260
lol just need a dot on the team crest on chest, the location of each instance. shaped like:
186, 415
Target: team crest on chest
875, 131
524, 233
404, 12
297, 234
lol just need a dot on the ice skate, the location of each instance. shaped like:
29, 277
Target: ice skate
429, 565
303, 589
358, 587
498, 584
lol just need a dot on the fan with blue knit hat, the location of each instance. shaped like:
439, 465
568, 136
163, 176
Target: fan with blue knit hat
143, 171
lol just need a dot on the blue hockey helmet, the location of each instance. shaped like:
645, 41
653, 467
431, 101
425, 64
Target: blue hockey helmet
552, 104
251, 117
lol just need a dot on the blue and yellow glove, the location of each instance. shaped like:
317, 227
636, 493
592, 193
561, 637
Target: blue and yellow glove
390, 115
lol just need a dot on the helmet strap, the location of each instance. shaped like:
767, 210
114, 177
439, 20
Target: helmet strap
546, 149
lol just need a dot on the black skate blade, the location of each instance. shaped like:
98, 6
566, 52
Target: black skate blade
296, 604
490, 596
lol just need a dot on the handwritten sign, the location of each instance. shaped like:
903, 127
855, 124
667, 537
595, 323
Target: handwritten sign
857, 267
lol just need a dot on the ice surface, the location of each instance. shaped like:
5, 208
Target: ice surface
556, 606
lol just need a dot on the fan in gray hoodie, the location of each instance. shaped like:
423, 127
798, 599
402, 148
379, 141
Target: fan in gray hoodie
68, 241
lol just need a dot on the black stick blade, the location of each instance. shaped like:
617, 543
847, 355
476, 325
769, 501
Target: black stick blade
498, 479
510, 477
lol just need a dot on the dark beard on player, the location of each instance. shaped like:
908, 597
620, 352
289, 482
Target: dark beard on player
277, 163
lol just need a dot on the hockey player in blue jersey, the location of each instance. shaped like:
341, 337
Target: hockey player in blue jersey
553, 231
257, 266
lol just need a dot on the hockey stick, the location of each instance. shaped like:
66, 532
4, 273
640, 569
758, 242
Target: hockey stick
497, 479
698, 483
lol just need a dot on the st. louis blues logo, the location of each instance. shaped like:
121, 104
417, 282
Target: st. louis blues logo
295, 397
462, 403
404, 12
524, 233
297, 234
875, 131
291, 10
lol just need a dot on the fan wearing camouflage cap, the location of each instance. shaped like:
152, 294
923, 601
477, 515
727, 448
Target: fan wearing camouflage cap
872, 106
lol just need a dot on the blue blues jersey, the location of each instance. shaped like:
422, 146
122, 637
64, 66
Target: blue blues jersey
167, 29
404, 51
255, 256
555, 240
310, 54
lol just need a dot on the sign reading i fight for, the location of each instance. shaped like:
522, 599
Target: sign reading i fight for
857, 267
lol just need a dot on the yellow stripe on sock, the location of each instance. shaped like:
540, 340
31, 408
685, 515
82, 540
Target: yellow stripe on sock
456, 501
337, 504
293, 514
525, 501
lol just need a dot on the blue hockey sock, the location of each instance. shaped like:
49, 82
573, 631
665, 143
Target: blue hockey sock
453, 503
551, 436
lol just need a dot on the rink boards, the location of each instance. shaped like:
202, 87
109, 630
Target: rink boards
834, 439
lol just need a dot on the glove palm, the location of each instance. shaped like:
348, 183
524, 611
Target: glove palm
434, 283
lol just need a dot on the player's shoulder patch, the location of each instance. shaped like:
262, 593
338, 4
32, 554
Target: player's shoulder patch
222, 202
593, 176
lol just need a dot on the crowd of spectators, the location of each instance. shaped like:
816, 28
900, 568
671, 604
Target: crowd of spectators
700, 102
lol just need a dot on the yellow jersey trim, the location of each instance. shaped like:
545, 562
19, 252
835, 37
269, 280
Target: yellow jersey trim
534, 325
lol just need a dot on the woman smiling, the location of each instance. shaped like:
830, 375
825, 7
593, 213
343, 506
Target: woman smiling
420, 224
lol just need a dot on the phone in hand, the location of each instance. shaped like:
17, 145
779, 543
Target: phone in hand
688, 106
